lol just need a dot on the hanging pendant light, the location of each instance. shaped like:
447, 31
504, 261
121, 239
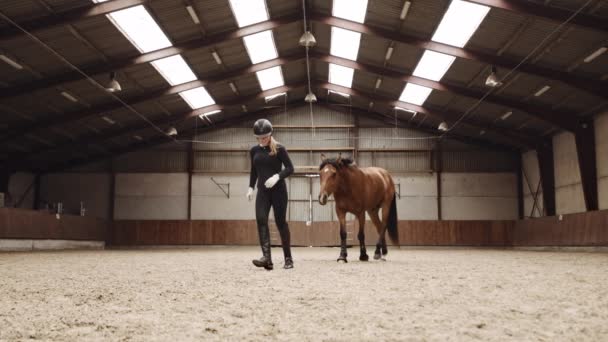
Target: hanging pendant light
308, 40
310, 98
113, 85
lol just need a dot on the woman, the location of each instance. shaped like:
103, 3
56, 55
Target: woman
267, 159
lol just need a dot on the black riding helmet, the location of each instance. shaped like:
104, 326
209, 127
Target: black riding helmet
262, 128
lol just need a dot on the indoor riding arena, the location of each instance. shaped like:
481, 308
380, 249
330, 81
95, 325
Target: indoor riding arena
304, 170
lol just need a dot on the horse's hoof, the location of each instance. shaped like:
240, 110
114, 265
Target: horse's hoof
377, 256
384, 250
342, 259
363, 257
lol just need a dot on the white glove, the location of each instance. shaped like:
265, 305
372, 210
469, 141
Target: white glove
270, 182
250, 194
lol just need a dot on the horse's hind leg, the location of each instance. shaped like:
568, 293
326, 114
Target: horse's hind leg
363, 255
386, 207
342, 219
373, 214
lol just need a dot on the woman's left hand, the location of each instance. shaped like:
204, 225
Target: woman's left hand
271, 181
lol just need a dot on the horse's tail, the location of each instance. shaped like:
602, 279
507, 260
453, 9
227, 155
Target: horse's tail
393, 231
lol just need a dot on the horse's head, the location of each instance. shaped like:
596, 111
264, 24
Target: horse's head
329, 173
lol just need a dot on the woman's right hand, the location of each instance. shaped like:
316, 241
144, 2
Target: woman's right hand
250, 194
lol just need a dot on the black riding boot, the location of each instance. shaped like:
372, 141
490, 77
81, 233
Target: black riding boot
266, 260
286, 243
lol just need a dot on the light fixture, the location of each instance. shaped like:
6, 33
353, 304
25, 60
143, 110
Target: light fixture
310, 98
217, 58
339, 93
413, 112
378, 82
113, 85
202, 116
137, 137
405, 9
307, 39
233, 87
69, 96
272, 97
108, 120
443, 126
389, 53
492, 80
595, 54
542, 91
171, 131
506, 115
193, 15
244, 108
482, 132
371, 105
11, 62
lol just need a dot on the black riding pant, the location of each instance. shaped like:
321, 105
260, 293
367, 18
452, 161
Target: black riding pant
275, 197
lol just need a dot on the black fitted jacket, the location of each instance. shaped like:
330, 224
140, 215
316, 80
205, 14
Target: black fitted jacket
264, 166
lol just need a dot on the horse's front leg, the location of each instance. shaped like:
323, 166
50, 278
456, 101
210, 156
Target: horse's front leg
363, 254
342, 219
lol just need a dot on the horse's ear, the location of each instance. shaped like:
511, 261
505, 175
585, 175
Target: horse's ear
323, 157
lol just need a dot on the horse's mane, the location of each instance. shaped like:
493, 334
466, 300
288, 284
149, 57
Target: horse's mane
338, 164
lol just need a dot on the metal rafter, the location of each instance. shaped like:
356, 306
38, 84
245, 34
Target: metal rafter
593, 86
90, 10
552, 13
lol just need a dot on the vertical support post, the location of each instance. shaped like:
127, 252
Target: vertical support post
112, 190
190, 168
520, 187
37, 180
356, 139
438, 170
585, 150
547, 175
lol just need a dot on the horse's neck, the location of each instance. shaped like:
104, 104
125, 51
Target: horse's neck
349, 185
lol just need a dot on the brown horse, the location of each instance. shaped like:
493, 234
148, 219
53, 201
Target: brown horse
357, 190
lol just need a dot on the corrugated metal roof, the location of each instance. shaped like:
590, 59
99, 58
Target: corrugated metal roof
174, 19
499, 27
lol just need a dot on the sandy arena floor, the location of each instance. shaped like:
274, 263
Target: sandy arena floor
215, 293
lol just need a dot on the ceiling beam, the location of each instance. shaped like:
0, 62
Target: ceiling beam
69, 17
390, 121
514, 138
443, 115
116, 65
594, 86
151, 96
19, 159
61, 166
552, 13
566, 121
597, 87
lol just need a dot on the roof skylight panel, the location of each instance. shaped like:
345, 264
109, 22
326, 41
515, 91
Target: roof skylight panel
340, 75
459, 23
174, 69
260, 47
249, 12
415, 94
140, 28
270, 78
433, 65
197, 97
345, 43
353, 10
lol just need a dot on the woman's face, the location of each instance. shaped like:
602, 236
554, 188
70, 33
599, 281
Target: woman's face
264, 141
